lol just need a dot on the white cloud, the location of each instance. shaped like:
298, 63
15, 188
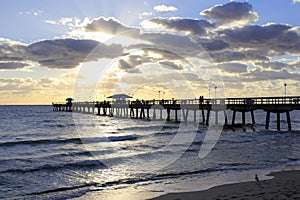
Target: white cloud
32, 12
189, 26
50, 22
145, 14
163, 8
296, 1
231, 14
66, 20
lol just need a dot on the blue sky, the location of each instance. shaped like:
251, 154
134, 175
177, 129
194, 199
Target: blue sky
28, 27
253, 42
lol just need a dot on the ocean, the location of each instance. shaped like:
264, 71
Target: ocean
65, 155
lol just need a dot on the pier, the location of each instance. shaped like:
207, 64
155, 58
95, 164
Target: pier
162, 109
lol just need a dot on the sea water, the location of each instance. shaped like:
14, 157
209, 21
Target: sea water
64, 155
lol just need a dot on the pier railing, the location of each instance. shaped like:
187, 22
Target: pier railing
290, 100
225, 101
141, 108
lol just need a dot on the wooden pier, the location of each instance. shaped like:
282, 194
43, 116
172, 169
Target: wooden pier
161, 109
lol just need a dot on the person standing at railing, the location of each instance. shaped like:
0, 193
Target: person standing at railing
201, 99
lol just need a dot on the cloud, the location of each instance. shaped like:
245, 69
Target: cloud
32, 12
232, 67
110, 26
50, 22
145, 14
278, 66
262, 75
30, 91
16, 84
60, 53
12, 65
231, 14
273, 38
171, 65
244, 55
163, 8
213, 44
191, 26
66, 20
150, 56
273, 65
124, 65
296, 1
178, 44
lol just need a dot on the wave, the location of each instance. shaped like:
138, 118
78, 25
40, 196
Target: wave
42, 141
77, 140
122, 138
148, 127
81, 164
84, 189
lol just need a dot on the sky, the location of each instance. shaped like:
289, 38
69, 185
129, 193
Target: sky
91, 49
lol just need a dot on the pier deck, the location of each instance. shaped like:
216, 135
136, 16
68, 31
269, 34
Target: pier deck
141, 109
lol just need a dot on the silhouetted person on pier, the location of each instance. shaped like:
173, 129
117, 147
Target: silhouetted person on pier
174, 101
201, 99
256, 178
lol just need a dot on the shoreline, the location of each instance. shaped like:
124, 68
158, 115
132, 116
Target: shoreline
284, 185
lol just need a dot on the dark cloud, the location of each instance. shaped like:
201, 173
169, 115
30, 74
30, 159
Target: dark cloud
228, 56
124, 65
150, 55
233, 12
12, 65
171, 65
263, 75
177, 44
232, 67
213, 45
255, 34
61, 53
274, 65
192, 26
276, 38
110, 26
10, 52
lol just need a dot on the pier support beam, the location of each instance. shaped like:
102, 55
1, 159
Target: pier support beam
154, 114
168, 114
233, 117
185, 114
225, 115
148, 116
278, 121
288, 119
243, 111
203, 116
252, 116
216, 117
207, 117
267, 119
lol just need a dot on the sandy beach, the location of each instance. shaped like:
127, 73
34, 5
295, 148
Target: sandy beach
285, 185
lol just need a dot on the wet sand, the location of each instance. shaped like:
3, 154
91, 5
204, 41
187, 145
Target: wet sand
285, 185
